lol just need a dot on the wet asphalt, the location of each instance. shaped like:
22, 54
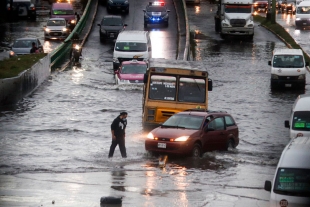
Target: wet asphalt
54, 144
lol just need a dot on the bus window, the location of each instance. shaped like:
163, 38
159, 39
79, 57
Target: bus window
162, 87
192, 90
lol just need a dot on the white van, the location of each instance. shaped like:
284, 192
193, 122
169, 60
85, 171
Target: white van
132, 45
291, 183
288, 68
302, 14
299, 123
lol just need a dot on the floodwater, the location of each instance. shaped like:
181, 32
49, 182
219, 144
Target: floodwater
54, 144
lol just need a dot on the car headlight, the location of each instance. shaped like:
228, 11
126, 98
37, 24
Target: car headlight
181, 139
225, 25
47, 30
274, 76
150, 136
72, 21
103, 31
298, 19
77, 47
115, 60
12, 53
64, 29
302, 77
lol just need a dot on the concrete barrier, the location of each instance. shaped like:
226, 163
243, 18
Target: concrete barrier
12, 90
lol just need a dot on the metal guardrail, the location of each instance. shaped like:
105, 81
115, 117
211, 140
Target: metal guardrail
62, 52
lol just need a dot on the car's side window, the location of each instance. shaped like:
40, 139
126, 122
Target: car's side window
229, 121
217, 124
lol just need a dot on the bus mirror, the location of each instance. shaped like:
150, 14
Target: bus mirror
145, 78
210, 85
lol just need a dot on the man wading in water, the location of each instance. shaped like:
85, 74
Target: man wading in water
118, 127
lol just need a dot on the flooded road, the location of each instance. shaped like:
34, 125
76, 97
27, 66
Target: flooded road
54, 144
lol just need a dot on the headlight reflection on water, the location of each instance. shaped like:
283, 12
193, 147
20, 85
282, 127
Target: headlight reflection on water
77, 74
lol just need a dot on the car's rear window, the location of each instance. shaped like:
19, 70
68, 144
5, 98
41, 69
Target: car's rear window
134, 69
111, 22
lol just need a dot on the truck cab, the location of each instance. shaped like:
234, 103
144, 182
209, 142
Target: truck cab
235, 18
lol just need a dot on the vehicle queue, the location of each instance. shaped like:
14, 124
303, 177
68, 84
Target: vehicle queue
306, 124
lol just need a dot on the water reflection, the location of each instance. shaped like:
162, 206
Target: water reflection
159, 42
197, 9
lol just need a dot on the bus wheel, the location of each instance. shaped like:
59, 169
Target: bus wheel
196, 151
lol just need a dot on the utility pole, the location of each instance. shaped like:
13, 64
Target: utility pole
271, 11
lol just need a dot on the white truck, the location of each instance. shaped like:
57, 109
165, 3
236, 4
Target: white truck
234, 17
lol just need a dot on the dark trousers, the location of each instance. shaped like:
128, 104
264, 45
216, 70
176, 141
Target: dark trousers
120, 141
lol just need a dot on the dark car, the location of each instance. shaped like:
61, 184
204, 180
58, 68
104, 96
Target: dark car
156, 13
118, 5
110, 27
260, 6
22, 8
194, 132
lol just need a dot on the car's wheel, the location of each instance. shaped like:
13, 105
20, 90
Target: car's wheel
230, 144
196, 151
272, 86
145, 24
166, 24
251, 37
223, 36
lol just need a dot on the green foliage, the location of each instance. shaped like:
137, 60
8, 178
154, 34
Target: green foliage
13, 66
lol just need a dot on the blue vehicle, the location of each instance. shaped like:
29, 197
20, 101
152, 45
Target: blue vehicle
156, 13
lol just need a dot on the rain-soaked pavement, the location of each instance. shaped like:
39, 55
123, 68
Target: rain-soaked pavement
54, 144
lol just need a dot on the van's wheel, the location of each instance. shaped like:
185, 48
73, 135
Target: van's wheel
196, 151
272, 86
230, 144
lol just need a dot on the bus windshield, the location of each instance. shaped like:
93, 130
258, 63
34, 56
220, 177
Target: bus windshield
172, 86
189, 89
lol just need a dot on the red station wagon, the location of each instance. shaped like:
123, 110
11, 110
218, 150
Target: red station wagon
194, 132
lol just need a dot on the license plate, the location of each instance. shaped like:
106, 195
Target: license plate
56, 34
288, 85
161, 145
111, 35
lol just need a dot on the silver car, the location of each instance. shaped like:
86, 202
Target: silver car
56, 28
22, 46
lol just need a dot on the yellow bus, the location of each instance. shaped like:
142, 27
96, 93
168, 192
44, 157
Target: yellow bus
171, 86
